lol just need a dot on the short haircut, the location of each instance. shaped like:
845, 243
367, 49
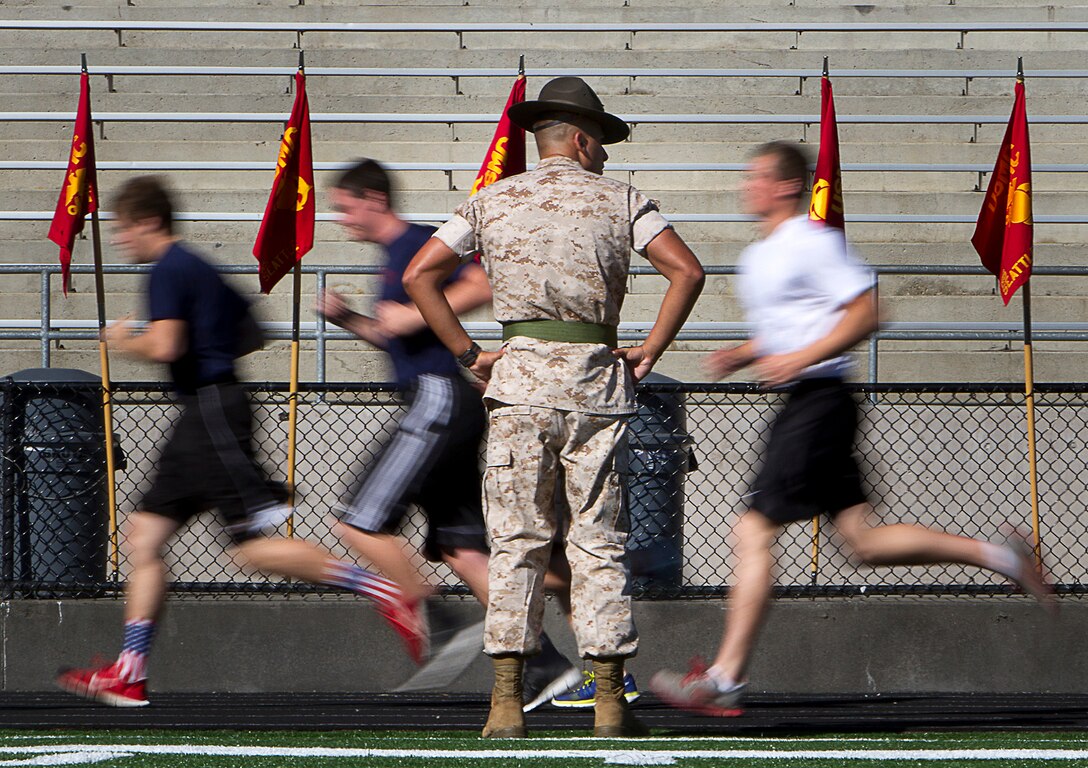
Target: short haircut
791, 162
145, 197
364, 176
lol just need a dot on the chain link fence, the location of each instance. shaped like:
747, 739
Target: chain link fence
949, 456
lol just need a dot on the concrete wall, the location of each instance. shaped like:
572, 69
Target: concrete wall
862, 645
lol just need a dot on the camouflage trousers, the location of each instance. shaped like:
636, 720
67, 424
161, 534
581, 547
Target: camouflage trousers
542, 462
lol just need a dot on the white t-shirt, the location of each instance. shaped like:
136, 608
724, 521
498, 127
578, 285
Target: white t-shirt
793, 286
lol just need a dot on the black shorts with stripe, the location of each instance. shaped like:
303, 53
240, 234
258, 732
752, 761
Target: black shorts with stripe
433, 460
809, 466
208, 463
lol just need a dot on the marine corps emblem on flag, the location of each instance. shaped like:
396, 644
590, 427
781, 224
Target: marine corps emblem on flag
287, 229
79, 193
1005, 230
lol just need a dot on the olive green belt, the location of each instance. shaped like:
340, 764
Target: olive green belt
561, 330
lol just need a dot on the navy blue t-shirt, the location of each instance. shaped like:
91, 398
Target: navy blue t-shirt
421, 352
182, 286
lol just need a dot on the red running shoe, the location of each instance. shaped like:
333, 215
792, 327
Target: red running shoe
410, 622
104, 685
696, 692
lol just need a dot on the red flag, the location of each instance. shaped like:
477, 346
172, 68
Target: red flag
506, 155
826, 205
287, 229
1003, 235
79, 193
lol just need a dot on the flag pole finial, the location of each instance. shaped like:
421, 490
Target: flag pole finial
301, 60
825, 66
521, 64
82, 62
1020, 68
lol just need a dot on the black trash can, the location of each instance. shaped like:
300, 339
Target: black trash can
659, 458
55, 494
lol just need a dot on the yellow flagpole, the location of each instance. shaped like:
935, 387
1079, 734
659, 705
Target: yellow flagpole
107, 387
1029, 400
292, 397
292, 420
107, 394
815, 567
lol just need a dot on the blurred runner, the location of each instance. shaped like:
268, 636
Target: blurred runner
808, 301
199, 325
432, 458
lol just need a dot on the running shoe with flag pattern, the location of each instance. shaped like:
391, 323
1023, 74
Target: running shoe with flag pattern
409, 620
105, 685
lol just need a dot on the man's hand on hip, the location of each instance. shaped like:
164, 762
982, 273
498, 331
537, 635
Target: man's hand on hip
638, 360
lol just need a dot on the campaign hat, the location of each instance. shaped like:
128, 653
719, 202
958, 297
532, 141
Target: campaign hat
569, 94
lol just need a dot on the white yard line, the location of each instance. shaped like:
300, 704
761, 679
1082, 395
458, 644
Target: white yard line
67, 758
757, 739
93, 750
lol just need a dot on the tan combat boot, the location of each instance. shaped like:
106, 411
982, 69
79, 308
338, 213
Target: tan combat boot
506, 720
612, 719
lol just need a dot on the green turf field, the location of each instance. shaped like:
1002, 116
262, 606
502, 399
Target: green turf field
347, 749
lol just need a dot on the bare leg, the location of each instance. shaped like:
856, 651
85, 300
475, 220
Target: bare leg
470, 565
388, 554
296, 558
902, 544
146, 588
749, 595
557, 580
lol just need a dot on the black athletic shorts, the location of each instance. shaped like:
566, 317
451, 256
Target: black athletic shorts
208, 463
809, 467
433, 460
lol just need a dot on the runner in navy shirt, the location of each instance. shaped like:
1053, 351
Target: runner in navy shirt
197, 326
183, 286
432, 458
420, 352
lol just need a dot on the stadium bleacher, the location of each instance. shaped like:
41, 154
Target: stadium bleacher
937, 76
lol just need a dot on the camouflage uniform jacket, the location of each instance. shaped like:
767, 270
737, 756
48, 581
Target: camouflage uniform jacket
556, 243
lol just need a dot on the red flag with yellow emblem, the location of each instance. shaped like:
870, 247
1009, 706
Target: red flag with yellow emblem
287, 229
1004, 233
79, 193
506, 155
826, 204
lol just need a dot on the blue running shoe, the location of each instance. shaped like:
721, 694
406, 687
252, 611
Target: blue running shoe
585, 696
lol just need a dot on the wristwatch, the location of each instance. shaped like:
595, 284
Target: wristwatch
468, 358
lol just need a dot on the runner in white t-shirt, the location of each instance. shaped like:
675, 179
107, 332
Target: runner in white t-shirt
808, 302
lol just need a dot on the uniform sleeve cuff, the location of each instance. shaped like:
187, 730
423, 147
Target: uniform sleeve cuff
646, 228
457, 234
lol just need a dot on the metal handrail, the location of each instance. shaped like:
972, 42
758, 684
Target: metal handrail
47, 330
461, 27
706, 218
469, 72
489, 117
264, 166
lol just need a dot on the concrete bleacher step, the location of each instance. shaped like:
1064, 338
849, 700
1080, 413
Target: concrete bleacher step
151, 150
34, 248
325, 90
919, 57
323, 100
702, 201
556, 11
61, 8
